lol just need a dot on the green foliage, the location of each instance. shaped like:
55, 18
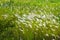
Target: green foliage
8, 28
29, 20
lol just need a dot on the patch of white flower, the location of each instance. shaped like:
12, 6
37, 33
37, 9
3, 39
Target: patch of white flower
31, 16
47, 34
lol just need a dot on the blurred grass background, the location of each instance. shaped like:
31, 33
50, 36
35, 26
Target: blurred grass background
29, 19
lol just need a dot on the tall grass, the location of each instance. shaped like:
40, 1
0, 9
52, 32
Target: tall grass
29, 20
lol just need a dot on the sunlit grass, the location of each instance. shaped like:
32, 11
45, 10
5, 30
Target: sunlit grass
29, 20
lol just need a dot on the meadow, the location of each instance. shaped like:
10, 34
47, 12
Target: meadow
29, 20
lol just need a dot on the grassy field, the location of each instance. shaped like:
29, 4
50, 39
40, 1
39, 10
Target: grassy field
29, 19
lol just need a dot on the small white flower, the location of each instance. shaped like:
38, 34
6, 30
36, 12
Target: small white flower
47, 34
31, 16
